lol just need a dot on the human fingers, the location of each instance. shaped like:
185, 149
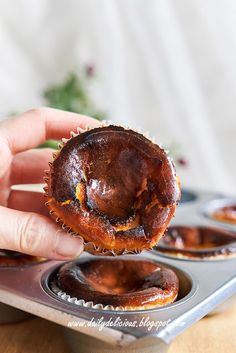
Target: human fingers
32, 128
33, 234
28, 201
29, 167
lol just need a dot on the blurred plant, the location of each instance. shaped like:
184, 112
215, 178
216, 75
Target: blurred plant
72, 95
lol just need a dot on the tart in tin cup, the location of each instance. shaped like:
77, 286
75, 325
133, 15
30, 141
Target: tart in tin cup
114, 187
226, 214
222, 211
198, 243
116, 283
10, 258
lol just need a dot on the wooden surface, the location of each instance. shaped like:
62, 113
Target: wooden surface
212, 334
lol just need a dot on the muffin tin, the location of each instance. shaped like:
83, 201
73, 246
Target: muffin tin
204, 285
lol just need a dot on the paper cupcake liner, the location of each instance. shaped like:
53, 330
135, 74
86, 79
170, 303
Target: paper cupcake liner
81, 302
88, 245
100, 251
90, 304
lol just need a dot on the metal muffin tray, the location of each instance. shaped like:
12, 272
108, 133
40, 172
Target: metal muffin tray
204, 284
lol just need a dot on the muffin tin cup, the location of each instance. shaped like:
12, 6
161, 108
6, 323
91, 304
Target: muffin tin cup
197, 210
213, 205
226, 304
203, 291
203, 286
185, 284
81, 302
216, 253
206, 255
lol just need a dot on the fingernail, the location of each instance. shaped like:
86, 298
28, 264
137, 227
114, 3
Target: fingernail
68, 246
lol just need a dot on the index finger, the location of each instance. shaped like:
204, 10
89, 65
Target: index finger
37, 125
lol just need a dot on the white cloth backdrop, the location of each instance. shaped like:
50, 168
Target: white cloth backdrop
168, 67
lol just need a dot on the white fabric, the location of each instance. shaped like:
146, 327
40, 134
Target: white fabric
168, 67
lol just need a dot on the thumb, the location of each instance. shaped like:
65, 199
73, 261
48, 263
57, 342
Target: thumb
37, 235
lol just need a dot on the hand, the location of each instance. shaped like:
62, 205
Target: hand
24, 222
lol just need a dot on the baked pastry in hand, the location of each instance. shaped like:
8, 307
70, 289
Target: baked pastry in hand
115, 188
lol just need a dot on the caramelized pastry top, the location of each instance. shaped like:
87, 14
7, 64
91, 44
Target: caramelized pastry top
125, 283
113, 187
198, 241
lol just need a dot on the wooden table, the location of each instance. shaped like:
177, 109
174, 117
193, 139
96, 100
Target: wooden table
213, 334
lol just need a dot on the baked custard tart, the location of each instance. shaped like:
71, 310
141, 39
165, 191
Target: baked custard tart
126, 284
114, 187
225, 214
198, 242
14, 258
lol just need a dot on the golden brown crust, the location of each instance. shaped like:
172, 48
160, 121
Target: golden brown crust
129, 284
113, 187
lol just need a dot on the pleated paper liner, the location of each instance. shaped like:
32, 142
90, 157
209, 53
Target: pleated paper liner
81, 302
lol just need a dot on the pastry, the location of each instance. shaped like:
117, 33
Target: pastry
114, 187
130, 284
